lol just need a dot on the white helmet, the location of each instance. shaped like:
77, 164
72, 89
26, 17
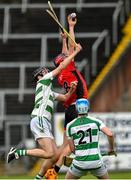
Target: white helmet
82, 106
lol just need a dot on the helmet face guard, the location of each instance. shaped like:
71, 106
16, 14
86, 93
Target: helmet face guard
58, 59
39, 71
82, 106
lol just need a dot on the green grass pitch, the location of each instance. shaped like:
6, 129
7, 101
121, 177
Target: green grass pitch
113, 175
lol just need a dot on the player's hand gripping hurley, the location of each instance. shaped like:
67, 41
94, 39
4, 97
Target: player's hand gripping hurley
110, 153
52, 13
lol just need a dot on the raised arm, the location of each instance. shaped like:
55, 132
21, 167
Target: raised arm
72, 22
67, 60
64, 97
64, 44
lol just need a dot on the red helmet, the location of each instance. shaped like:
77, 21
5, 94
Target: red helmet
58, 59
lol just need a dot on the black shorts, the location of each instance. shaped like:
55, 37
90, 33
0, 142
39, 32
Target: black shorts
70, 114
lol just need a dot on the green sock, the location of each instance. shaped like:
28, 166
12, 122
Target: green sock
21, 152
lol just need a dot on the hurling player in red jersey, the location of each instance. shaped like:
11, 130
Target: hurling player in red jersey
65, 79
69, 75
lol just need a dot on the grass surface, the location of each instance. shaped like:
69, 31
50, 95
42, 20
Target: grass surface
115, 175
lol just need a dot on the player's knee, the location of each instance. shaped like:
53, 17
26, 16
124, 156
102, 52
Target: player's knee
49, 154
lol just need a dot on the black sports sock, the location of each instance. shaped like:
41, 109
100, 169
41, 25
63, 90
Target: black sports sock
57, 168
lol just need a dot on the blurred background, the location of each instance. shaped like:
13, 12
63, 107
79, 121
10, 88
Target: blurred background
30, 38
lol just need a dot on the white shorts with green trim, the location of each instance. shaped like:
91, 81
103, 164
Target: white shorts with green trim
41, 128
77, 171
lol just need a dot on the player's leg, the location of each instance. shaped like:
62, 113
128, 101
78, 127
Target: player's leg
48, 163
101, 173
74, 172
46, 151
51, 167
70, 114
69, 175
43, 135
41, 128
105, 176
65, 151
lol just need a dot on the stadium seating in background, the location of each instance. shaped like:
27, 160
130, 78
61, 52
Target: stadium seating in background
54, 2
111, 96
20, 50
1, 20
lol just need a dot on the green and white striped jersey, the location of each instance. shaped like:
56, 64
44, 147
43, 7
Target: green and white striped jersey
44, 98
84, 131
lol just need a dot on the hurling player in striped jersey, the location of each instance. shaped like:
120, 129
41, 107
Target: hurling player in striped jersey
41, 116
83, 138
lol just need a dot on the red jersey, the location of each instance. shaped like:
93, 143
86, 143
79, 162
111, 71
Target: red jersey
69, 75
